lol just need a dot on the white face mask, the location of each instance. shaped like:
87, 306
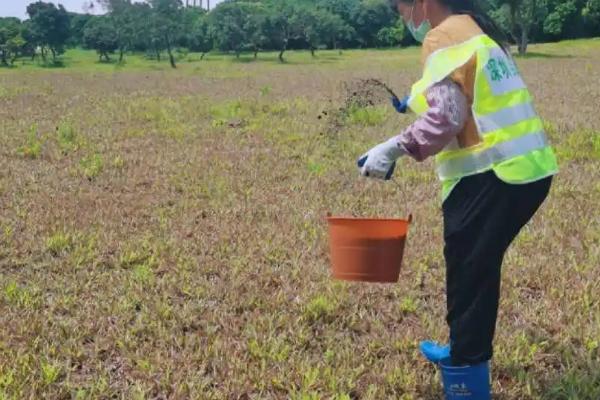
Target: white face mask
420, 32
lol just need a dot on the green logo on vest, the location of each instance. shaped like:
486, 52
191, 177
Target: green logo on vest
500, 68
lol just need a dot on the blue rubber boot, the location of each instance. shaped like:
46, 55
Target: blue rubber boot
434, 352
466, 382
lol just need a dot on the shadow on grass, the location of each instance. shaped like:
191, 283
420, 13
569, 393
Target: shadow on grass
244, 59
53, 64
317, 59
288, 59
534, 54
112, 61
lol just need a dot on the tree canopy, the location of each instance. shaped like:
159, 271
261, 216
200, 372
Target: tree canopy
49, 27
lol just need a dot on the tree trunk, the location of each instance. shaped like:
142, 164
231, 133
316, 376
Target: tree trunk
283, 49
312, 51
157, 54
202, 56
13, 58
53, 54
121, 54
255, 54
43, 50
171, 58
3, 58
523, 42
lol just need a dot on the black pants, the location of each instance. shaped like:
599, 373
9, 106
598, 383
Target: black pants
482, 216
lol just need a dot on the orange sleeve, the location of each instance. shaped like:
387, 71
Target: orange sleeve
430, 44
454, 30
463, 76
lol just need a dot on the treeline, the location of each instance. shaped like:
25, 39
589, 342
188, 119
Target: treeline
159, 26
525, 21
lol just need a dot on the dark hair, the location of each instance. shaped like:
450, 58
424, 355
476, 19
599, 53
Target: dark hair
472, 8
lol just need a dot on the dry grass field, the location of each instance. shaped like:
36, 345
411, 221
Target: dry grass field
162, 234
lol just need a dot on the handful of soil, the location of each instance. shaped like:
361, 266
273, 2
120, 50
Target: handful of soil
357, 94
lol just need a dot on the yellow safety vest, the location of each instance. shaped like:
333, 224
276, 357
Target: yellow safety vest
513, 141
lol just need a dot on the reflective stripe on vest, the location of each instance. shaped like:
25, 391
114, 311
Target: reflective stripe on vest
505, 118
481, 161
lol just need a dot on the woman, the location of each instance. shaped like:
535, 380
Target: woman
495, 164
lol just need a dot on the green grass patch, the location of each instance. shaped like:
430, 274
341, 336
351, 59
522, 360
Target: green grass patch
33, 145
66, 136
59, 243
91, 166
367, 116
581, 145
319, 308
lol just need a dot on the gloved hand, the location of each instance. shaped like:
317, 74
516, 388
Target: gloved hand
400, 105
380, 161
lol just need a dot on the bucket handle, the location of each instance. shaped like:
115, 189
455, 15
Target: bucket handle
410, 216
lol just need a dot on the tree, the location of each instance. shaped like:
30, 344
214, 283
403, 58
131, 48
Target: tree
77, 24
391, 35
190, 15
254, 26
166, 25
50, 27
370, 18
278, 27
519, 18
101, 35
199, 38
306, 24
334, 30
140, 35
591, 16
319, 27
557, 20
123, 14
11, 40
228, 25
15, 46
345, 10
31, 42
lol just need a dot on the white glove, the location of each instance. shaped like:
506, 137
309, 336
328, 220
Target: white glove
380, 161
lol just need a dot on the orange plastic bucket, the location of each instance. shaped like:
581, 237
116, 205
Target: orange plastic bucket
367, 249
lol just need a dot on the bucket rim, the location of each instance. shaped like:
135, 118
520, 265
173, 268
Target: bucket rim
446, 364
339, 219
